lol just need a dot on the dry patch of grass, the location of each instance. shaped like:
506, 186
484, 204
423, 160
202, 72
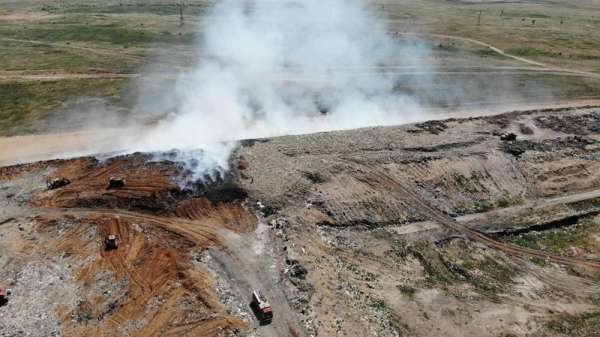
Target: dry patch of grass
24, 103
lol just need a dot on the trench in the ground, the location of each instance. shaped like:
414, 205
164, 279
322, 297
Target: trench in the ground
546, 226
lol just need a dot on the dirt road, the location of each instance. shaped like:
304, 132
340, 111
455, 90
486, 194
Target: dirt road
495, 49
28, 148
21, 149
248, 263
73, 46
529, 206
478, 220
407, 192
245, 260
16, 76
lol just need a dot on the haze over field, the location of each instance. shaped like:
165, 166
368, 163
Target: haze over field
260, 69
286, 68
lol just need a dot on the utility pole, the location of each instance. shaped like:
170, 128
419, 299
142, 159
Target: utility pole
181, 5
64, 8
479, 18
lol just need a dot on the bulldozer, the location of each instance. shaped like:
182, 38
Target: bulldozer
261, 308
115, 183
110, 243
57, 183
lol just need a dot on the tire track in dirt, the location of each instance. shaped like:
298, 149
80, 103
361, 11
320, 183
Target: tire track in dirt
499, 51
380, 180
138, 289
95, 50
58, 76
248, 270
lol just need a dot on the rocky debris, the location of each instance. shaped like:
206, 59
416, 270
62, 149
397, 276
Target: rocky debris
315, 177
445, 147
448, 238
227, 293
279, 227
518, 147
266, 210
577, 124
296, 270
58, 183
515, 149
433, 127
17, 192
302, 290
251, 142
39, 289
503, 121
526, 130
111, 289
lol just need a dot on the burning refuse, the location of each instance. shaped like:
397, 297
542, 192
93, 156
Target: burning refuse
274, 68
262, 68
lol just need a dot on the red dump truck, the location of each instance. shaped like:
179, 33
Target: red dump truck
3, 294
262, 309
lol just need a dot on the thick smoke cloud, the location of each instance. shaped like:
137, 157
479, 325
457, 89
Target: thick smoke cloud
286, 67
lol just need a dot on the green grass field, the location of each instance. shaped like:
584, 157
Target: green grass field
24, 103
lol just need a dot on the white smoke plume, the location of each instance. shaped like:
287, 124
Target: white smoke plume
286, 67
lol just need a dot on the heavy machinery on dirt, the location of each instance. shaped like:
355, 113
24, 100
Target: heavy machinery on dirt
57, 183
110, 243
3, 294
115, 183
262, 309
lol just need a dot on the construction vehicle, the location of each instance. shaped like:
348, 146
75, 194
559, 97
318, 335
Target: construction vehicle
57, 183
115, 183
111, 242
4, 292
508, 137
243, 163
262, 309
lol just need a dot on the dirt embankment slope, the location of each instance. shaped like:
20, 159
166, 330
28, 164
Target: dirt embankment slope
149, 286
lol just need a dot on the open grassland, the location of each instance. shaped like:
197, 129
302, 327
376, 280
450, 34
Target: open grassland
25, 103
51, 54
551, 50
562, 33
55, 57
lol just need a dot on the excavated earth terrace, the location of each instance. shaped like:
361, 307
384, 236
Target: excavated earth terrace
189, 253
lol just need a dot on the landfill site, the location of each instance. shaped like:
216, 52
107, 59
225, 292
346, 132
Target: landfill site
485, 226
300, 168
